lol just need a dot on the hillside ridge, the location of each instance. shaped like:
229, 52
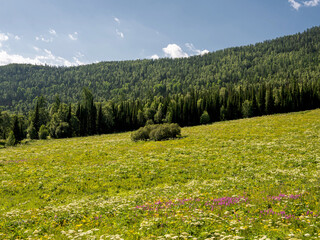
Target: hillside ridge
284, 59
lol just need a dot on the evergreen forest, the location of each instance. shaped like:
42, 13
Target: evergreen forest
276, 76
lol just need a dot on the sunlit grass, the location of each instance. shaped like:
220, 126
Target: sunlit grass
251, 179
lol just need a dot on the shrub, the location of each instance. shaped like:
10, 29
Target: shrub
246, 109
175, 130
2, 143
157, 132
141, 134
11, 140
205, 118
32, 132
149, 122
43, 132
63, 130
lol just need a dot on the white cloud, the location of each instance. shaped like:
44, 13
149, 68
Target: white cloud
50, 59
36, 49
294, 4
297, 4
191, 47
312, 3
117, 20
73, 36
43, 39
174, 51
77, 61
79, 55
204, 52
6, 58
52, 32
120, 34
12, 36
155, 57
3, 37
46, 38
44, 57
77, 58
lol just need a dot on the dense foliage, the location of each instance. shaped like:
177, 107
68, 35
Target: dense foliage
276, 76
60, 120
283, 60
157, 132
248, 179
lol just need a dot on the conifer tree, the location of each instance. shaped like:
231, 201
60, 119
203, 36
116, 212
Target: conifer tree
254, 105
140, 118
262, 99
269, 101
36, 118
69, 120
17, 129
159, 114
100, 125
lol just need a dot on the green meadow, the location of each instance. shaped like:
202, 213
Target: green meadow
255, 178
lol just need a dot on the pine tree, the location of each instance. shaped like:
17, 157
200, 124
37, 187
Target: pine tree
17, 129
100, 125
140, 118
262, 99
32, 133
246, 109
69, 120
269, 101
36, 118
93, 119
254, 105
69, 116
159, 114
56, 104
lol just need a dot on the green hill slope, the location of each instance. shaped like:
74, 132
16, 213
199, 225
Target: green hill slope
249, 179
291, 58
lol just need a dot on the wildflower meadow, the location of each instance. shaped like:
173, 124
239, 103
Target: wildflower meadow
256, 178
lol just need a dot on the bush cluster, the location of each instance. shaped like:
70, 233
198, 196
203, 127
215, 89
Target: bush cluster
43, 132
157, 132
11, 141
205, 118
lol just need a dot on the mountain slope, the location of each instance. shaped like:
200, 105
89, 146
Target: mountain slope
295, 57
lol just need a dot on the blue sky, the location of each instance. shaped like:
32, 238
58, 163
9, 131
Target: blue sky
73, 32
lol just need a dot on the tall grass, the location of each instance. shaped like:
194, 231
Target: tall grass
254, 178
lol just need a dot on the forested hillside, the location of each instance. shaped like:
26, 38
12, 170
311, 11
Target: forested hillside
293, 58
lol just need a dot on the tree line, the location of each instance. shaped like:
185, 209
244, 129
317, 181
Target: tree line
88, 117
282, 60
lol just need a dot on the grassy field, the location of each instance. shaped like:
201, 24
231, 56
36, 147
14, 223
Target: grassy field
255, 178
